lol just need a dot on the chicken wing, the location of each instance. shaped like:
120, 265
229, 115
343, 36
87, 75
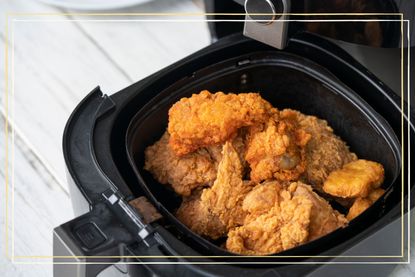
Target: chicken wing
276, 149
355, 179
206, 119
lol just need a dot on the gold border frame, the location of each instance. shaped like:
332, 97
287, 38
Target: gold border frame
17, 14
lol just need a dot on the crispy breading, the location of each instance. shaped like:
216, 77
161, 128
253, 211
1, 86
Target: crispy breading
361, 204
276, 149
224, 198
262, 198
355, 179
191, 171
195, 215
283, 227
206, 119
324, 219
325, 152
184, 173
282, 217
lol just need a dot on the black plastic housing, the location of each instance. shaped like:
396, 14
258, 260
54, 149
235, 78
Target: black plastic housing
286, 81
97, 130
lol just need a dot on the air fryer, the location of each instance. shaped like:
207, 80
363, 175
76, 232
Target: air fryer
105, 138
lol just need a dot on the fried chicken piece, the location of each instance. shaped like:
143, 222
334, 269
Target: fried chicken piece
324, 219
361, 204
276, 149
195, 215
188, 172
279, 223
325, 152
206, 119
224, 198
184, 173
262, 198
283, 227
281, 218
355, 179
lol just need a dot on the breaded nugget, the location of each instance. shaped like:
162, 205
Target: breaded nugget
224, 198
355, 179
361, 204
358, 207
325, 152
206, 119
374, 195
276, 149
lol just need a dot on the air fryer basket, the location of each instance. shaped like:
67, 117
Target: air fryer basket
286, 81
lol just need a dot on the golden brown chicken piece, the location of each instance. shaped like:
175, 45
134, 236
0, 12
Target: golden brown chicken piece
325, 152
361, 204
276, 149
224, 198
355, 179
283, 227
184, 173
324, 219
262, 198
206, 119
281, 218
195, 215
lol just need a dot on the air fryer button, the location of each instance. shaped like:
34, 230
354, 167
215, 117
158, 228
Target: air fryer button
90, 235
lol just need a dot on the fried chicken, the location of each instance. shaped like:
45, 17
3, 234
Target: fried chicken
276, 149
281, 218
188, 172
355, 179
195, 215
206, 119
184, 173
262, 198
325, 152
214, 211
214, 140
361, 204
283, 227
224, 198
324, 219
